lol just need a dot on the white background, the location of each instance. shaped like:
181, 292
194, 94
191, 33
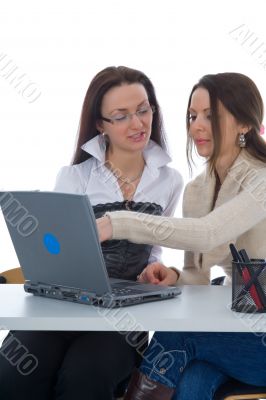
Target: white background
61, 45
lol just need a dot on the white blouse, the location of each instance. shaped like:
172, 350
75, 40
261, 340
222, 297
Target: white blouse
159, 183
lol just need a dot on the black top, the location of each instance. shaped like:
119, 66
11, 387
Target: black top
123, 259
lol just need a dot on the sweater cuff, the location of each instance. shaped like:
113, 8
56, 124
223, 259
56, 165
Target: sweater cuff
118, 231
190, 276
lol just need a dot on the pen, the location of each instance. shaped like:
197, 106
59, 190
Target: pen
236, 257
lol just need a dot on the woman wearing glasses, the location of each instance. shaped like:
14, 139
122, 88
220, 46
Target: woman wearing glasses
226, 203
121, 163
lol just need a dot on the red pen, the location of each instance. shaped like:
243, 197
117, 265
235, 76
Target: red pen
247, 277
253, 291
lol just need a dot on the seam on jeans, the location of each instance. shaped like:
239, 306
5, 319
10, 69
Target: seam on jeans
155, 370
150, 374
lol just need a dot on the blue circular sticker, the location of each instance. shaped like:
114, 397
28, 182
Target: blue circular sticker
51, 243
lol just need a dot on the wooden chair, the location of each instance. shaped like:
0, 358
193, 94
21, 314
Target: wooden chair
14, 275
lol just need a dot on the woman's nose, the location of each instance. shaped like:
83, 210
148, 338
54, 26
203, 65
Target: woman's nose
135, 122
199, 123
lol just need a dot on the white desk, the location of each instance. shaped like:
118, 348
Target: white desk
198, 308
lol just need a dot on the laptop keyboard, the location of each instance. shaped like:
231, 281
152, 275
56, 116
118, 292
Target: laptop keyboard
125, 291
122, 288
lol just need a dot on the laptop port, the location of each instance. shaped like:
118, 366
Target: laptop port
31, 290
69, 295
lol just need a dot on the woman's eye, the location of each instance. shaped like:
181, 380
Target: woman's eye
142, 111
120, 117
192, 117
209, 116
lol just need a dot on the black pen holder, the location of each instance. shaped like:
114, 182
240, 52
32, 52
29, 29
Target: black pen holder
249, 286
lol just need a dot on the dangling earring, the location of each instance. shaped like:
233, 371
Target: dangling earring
102, 140
242, 140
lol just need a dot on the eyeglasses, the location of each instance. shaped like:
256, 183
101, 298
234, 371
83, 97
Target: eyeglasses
143, 113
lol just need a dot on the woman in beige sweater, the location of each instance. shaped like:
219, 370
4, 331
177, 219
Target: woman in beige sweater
226, 203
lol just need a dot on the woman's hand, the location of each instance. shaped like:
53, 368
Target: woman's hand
157, 273
104, 227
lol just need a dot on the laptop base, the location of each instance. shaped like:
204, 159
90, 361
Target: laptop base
85, 297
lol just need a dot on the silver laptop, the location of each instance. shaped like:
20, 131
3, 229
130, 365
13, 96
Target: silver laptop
56, 241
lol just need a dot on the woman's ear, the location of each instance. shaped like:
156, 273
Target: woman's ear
243, 128
99, 126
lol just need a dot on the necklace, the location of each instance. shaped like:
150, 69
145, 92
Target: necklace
126, 180
127, 185
122, 178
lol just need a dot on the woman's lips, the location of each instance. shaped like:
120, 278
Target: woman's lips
138, 137
202, 141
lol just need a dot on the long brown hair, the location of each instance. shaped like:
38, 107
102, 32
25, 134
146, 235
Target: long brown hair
241, 97
91, 110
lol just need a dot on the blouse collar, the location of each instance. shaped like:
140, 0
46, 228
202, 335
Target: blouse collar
154, 155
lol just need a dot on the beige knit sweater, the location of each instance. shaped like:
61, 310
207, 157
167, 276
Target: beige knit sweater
239, 216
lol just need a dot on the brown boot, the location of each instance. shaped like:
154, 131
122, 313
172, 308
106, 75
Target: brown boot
142, 388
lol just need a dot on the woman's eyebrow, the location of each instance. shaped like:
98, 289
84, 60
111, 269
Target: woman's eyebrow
192, 109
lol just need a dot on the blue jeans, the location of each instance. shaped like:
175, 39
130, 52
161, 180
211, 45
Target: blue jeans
196, 364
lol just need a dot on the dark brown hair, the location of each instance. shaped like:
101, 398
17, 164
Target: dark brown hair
91, 110
241, 97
